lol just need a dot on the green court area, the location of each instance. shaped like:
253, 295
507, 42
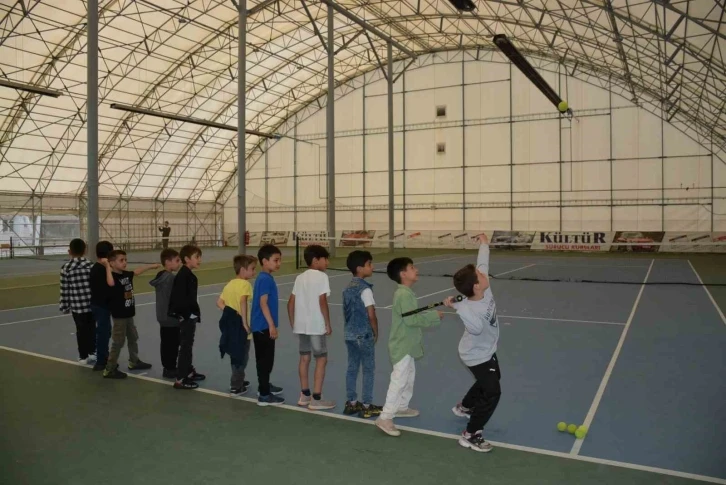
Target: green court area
62, 425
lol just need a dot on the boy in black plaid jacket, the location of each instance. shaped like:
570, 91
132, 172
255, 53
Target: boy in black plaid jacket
75, 298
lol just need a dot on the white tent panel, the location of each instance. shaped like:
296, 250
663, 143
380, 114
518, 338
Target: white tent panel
487, 184
636, 134
310, 159
281, 191
582, 96
526, 98
687, 218
376, 158
485, 72
349, 111
637, 179
311, 190
643, 218
535, 182
585, 218
349, 154
687, 177
486, 101
590, 138
488, 145
487, 219
443, 219
536, 141
536, 219
377, 112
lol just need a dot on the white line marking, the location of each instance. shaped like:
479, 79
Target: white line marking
34, 320
560, 320
328, 414
518, 269
718, 309
598, 396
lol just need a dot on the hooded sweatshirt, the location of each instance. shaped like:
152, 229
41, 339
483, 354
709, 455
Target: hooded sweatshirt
163, 283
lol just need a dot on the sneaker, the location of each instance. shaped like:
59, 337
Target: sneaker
275, 390
114, 374
91, 359
195, 376
461, 411
407, 413
369, 411
238, 391
270, 400
99, 366
82, 361
475, 442
169, 373
351, 409
321, 404
139, 365
185, 383
246, 384
387, 426
304, 400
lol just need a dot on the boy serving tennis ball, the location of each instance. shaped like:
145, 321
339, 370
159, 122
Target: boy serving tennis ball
477, 347
404, 344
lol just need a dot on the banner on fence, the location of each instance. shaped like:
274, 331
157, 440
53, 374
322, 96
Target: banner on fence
572, 241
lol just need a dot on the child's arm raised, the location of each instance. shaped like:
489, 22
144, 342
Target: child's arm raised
268, 316
482, 259
326, 313
291, 310
143, 269
109, 273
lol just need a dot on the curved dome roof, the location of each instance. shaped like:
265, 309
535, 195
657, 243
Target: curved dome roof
179, 56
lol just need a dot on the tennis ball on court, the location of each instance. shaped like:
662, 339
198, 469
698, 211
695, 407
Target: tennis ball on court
572, 428
561, 426
581, 432
562, 106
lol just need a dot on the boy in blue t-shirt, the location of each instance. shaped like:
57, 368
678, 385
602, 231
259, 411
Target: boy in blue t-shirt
264, 323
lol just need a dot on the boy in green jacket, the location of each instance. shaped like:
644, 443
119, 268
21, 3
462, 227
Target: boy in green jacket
404, 344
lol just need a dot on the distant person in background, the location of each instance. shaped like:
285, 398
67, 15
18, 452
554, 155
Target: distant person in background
165, 231
75, 298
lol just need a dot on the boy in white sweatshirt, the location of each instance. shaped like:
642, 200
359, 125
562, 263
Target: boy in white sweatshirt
477, 348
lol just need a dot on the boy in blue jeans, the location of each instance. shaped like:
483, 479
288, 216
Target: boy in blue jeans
264, 323
361, 334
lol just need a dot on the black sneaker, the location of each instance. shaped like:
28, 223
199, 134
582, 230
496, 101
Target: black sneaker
351, 409
139, 365
114, 374
270, 400
369, 411
246, 384
185, 383
195, 376
238, 391
99, 366
275, 390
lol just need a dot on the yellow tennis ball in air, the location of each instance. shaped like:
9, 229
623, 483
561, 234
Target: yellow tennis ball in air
562, 106
561, 426
572, 428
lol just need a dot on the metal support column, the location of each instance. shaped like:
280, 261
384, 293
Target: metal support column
463, 145
294, 176
511, 154
267, 186
610, 118
330, 129
391, 213
241, 122
92, 124
403, 162
365, 222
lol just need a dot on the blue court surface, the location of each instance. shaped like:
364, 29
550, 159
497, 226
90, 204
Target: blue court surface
643, 365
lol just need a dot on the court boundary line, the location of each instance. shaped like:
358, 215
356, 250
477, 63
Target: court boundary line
611, 365
718, 309
438, 434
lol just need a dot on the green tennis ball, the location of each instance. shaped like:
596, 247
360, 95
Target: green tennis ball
583, 429
580, 433
572, 428
561, 426
562, 106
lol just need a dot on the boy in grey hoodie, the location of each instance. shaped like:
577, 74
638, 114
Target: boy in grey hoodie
169, 330
477, 347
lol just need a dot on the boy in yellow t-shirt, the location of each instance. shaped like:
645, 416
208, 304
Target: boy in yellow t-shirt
236, 304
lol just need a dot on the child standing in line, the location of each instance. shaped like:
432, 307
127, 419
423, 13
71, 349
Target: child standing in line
184, 306
309, 316
123, 310
361, 334
168, 326
75, 298
236, 305
100, 281
264, 324
404, 344
477, 348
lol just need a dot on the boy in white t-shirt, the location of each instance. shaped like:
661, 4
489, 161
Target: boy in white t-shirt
310, 320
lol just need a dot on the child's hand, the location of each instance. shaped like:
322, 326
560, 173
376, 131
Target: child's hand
247, 328
156, 266
273, 333
328, 330
103, 261
449, 302
375, 338
441, 314
483, 239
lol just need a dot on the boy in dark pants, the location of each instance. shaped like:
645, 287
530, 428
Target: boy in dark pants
183, 306
264, 323
100, 293
123, 310
478, 347
169, 327
75, 298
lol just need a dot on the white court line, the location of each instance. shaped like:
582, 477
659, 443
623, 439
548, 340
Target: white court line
342, 417
560, 320
601, 390
518, 269
718, 309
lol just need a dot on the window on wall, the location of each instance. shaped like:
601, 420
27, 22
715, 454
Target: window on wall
441, 111
440, 148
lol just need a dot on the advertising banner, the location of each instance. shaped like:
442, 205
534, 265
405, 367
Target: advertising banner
572, 241
636, 241
516, 240
693, 242
308, 238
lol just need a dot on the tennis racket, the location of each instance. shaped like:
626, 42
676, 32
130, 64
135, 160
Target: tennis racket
430, 306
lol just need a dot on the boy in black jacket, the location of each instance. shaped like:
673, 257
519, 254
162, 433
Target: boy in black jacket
183, 306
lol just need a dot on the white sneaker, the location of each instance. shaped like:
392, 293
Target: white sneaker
82, 362
475, 442
461, 411
321, 404
407, 413
91, 359
387, 426
304, 400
